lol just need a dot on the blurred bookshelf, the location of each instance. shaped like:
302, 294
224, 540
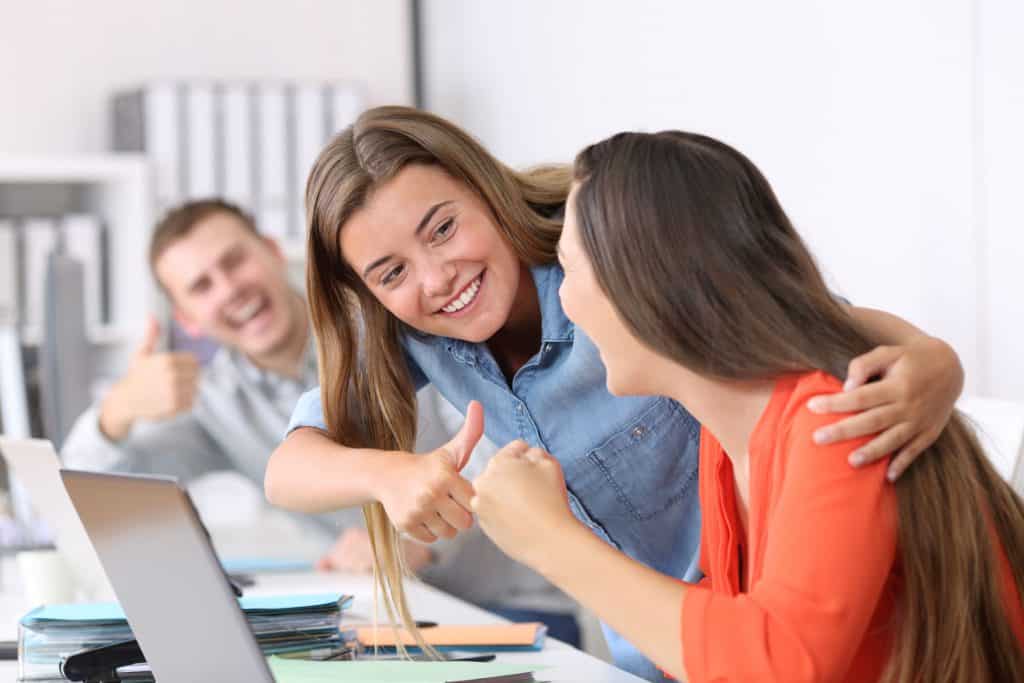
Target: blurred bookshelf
115, 192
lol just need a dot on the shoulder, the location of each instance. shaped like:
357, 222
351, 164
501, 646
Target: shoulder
797, 423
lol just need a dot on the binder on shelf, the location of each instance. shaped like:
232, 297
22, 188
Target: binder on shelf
238, 116
83, 240
346, 103
38, 239
251, 142
8, 272
149, 120
272, 198
310, 134
201, 155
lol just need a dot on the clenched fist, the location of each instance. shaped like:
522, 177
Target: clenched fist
522, 504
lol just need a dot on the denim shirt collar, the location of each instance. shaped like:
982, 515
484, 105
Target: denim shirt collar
555, 326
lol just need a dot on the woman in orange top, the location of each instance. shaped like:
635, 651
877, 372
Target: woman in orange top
688, 276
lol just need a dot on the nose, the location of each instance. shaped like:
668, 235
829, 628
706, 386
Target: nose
225, 287
439, 278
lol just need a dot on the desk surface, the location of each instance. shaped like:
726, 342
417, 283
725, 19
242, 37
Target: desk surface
564, 662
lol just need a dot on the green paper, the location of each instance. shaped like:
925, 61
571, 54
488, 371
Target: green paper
305, 671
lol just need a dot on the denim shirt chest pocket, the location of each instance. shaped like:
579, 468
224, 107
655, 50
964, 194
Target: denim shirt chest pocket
637, 489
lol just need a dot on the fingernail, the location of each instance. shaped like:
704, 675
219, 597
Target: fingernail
892, 474
857, 459
847, 385
822, 436
816, 405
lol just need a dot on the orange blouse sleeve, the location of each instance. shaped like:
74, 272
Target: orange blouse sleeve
827, 556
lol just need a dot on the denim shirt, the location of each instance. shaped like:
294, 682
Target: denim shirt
630, 463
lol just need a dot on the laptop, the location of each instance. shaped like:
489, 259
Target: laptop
35, 465
171, 586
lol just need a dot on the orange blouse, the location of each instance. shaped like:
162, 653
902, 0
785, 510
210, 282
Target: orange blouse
819, 570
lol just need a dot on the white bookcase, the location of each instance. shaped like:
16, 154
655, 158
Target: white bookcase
118, 189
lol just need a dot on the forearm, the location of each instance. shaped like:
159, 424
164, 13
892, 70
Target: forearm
885, 328
116, 416
643, 605
86, 447
310, 473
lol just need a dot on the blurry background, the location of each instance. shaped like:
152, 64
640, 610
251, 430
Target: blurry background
889, 129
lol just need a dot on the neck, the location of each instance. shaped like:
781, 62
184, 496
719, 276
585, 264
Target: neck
519, 338
286, 359
730, 410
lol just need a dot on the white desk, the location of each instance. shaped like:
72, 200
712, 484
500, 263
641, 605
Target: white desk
564, 662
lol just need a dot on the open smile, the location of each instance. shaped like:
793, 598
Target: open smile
464, 299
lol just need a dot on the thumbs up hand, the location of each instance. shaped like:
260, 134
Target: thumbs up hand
157, 386
424, 495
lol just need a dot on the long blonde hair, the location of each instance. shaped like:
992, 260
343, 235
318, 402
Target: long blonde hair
366, 389
681, 212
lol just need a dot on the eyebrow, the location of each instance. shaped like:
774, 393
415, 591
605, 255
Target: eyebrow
419, 228
231, 252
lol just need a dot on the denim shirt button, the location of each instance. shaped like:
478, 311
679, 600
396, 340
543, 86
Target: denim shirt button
519, 408
639, 431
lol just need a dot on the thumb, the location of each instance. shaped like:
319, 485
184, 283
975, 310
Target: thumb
460, 448
875, 362
150, 338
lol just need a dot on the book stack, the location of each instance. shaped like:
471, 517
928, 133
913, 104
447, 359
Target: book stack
284, 624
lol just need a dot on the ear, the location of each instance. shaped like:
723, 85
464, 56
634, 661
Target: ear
186, 323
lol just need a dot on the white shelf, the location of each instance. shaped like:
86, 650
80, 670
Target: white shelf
101, 335
87, 169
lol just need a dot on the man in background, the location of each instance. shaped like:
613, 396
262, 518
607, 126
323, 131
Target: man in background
168, 415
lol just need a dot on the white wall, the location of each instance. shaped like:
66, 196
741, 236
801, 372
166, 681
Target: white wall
60, 59
867, 119
1001, 186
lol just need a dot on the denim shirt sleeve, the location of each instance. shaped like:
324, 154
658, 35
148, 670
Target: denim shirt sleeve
308, 412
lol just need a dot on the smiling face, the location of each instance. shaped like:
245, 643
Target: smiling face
229, 283
632, 367
429, 249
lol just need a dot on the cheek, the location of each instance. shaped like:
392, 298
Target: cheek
404, 305
567, 296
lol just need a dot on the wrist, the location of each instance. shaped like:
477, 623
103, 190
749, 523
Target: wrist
565, 542
114, 422
383, 473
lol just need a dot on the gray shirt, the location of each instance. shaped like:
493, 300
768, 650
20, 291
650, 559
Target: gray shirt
236, 422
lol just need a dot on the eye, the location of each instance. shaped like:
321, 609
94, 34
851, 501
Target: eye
392, 275
200, 286
444, 231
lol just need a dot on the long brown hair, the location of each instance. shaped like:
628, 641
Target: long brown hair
689, 216
365, 387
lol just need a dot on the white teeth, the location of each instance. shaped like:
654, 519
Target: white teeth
465, 298
246, 313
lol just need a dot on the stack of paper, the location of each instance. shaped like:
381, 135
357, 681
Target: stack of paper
281, 624
489, 637
298, 671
